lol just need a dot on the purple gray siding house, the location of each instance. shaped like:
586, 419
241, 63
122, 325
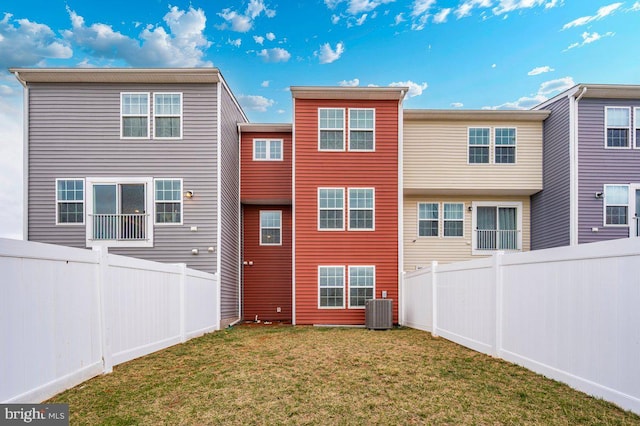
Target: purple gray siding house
591, 167
142, 161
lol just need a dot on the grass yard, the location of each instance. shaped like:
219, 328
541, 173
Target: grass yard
329, 376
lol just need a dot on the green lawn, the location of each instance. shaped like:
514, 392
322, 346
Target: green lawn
303, 375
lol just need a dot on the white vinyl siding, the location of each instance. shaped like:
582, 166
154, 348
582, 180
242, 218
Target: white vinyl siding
70, 201
270, 228
331, 287
267, 149
331, 209
361, 209
361, 129
331, 134
616, 205
617, 125
167, 115
362, 280
134, 115
168, 201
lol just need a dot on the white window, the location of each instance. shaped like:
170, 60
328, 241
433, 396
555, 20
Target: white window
331, 286
428, 217
618, 122
361, 129
267, 149
636, 118
361, 209
362, 281
331, 129
479, 144
453, 219
504, 145
270, 228
168, 199
167, 115
616, 205
69, 201
331, 209
497, 226
134, 115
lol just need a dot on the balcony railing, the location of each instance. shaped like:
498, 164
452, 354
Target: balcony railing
119, 227
492, 239
637, 219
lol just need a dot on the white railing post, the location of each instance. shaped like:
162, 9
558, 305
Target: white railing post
499, 288
102, 281
183, 302
434, 298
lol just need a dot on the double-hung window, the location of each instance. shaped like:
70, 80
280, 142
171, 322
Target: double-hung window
428, 216
168, 201
270, 228
134, 115
331, 129
331, 209
636, 118
361, 129
361, 208
69, 201
331, 286
478, 139
616, 205
504, 145
453, 219
618, 120
267, 149
361, 285
167, 115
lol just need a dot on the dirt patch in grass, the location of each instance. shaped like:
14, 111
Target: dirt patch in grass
306, 375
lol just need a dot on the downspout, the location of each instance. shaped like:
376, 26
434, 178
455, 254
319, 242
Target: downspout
25, 157
400, 205
573, 167
240, 230
293, 211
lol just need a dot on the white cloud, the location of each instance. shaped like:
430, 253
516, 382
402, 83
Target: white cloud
545, 91
25, 43
270, 36
357, 7
326, 54
243, 22
493, 65
335, 19
277, 54
415, 89
237, 42
265, 83
457, 105
350, 83
540, 70
635, 7
441, 17
588, 38
258, 39
420, 7
182, 46
603, 12
361, 20
465, 8
399, 18
331, 4
11, 161
505, 6
255, 103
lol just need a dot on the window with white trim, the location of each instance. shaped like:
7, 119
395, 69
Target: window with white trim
69, 201
361, 129
168, 201
134, 115
504, 145
267, 149
479, 143
270, 227
428, 217
331, 129
636, 118
361, 208
616, 205
331, 286
167, 115
362, 281
453, 219
331, 209
496, 226
618, 121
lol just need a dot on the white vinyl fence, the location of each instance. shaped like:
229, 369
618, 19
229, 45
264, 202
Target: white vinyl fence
69, 314
570, 313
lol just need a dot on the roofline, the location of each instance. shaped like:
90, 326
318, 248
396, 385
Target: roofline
349, 93
597, 91
475, 115
265, 127
116, 75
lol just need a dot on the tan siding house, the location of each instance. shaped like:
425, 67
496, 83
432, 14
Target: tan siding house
468, 179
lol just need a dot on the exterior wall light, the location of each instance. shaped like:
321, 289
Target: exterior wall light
188, 194
599, 195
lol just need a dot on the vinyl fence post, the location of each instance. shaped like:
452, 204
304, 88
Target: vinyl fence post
434, 298
102, 281
183, 301
499, 288
401, 313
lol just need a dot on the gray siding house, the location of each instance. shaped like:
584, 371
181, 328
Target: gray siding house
142, 161
591, 167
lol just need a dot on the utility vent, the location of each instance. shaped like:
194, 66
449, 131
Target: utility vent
378, 314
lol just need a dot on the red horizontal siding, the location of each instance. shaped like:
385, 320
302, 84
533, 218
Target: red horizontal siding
266, 284
265, 181
315, 169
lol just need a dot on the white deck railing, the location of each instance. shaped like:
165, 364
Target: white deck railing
492, 239
119, 227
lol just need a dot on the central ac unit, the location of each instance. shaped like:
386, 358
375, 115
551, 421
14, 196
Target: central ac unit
378, 314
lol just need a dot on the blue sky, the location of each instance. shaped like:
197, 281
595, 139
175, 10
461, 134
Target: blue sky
470, 54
